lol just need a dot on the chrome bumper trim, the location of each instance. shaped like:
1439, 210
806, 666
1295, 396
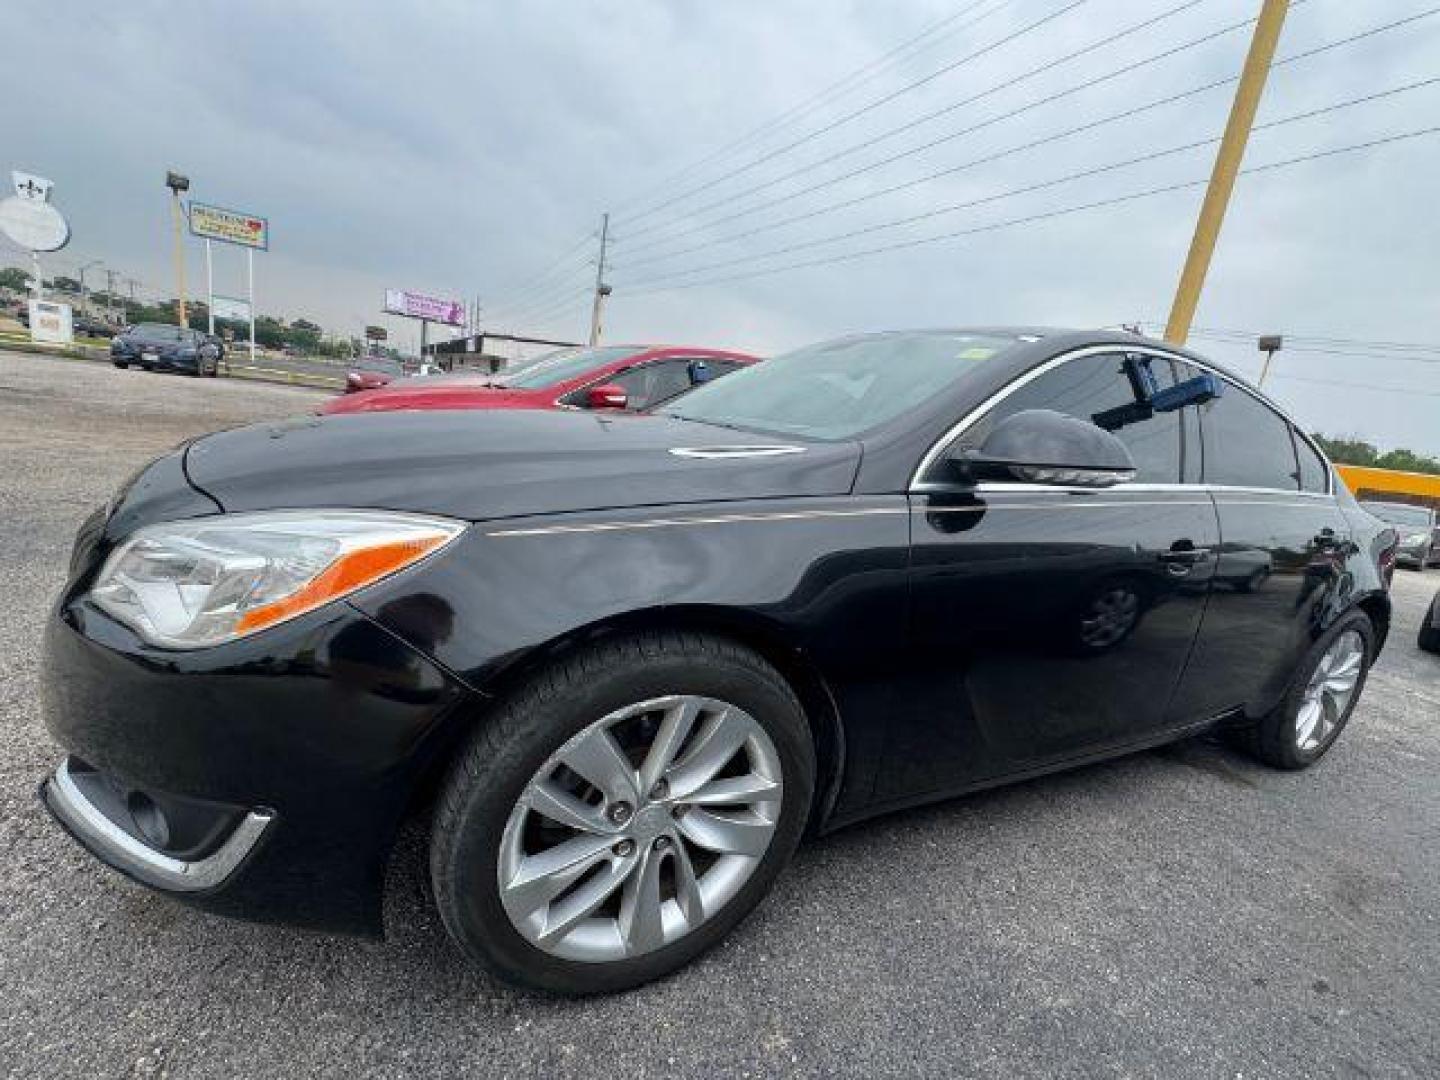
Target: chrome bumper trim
118, 848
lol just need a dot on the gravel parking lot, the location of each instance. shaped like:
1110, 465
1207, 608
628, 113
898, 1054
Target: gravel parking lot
1177, 913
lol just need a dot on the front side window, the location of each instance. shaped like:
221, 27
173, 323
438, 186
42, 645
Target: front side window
1247, 444
650, 384
1099, 389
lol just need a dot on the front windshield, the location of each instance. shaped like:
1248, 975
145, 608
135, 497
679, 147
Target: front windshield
838, 389
1399, 514
565, 365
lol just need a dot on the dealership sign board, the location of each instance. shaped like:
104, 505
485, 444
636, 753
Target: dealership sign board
228, 307
419, 306
28, 219
229, 226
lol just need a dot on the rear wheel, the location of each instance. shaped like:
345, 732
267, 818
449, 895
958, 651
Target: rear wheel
1321, 698
1429, 637
622, 812
121, 364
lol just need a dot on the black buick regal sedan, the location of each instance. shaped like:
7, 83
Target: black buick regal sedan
621, 664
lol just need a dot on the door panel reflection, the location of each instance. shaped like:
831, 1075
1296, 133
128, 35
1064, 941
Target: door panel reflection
1044, 625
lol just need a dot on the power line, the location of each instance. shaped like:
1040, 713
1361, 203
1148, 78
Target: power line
1296, 344
1118, 200
508, 299
868, 108
1046, 184
1407, 390
549, 311
543, 294
985, 159
980, 95
1319, 339
818, 100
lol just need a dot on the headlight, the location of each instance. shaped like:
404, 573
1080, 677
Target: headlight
189, 584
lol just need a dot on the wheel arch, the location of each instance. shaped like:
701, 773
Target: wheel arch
765, 637
1377, 607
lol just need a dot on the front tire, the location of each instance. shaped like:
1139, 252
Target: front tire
621, 812
121, 364
1321, 698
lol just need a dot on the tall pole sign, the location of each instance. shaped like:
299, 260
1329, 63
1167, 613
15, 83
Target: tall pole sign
250, 231
177, 184
29, 220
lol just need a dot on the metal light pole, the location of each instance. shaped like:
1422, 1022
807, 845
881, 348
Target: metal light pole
83, 268
1227, 166
177, 183
1269, 344
601, 289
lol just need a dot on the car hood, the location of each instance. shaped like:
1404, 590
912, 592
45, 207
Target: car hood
476, 465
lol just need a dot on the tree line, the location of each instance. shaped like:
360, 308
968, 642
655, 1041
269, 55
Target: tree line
1359, 452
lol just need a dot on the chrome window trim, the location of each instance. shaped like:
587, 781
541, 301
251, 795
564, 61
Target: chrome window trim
118, 848
954, 431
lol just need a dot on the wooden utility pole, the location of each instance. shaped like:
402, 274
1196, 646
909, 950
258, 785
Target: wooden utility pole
601, 289
1227, 165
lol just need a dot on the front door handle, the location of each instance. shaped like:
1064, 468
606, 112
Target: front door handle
1184, 556
1180, 559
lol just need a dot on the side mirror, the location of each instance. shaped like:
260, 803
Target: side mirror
606, 396
1038, 446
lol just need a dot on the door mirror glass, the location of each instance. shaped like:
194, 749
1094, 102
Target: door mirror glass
606, 396
1038, 446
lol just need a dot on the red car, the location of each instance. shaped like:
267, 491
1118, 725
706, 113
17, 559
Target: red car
371, 373
603, 377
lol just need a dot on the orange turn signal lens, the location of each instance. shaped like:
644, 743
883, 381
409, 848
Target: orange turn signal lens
352, 570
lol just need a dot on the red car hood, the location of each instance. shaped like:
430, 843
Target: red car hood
477, 394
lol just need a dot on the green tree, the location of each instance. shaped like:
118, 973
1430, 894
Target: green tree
1359, 452
12, 277
61, 283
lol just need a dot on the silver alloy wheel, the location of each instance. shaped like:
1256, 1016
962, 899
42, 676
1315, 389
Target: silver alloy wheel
1329, 691
640, 828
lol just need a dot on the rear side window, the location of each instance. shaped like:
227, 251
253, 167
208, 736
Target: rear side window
1097, 389
1247, 444
1314, 474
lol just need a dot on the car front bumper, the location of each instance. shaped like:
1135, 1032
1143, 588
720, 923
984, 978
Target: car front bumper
265, 778
1417, 555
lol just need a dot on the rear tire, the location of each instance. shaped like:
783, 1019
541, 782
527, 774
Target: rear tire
1294, 735
511, 759
1429, 636
121, 364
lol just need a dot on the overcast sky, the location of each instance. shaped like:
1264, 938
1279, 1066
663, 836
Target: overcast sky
462, 149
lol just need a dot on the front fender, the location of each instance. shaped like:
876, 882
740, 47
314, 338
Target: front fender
825, 577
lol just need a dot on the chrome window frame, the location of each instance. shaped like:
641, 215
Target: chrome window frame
937, 448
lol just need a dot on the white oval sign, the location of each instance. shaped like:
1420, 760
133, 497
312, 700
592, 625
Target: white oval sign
35, 226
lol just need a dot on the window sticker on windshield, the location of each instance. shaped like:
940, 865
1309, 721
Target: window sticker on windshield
977, 352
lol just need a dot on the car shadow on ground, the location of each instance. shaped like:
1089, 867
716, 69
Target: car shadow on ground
414, 930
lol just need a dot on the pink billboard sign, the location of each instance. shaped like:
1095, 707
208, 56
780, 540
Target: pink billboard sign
420, 306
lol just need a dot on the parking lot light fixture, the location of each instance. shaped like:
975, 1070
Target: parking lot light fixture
177, 183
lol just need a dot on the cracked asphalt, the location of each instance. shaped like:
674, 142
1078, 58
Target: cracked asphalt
1178, 913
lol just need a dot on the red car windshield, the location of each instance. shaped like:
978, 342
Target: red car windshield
565, 365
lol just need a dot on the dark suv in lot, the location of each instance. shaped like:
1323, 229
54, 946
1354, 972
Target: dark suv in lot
619, 664
162, 347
